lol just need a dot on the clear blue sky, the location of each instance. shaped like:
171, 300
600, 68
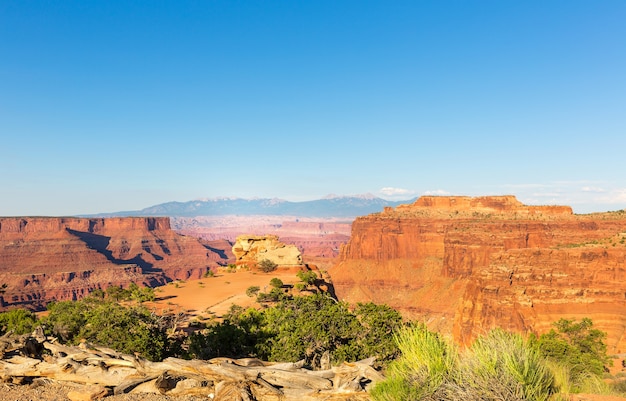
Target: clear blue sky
119, 105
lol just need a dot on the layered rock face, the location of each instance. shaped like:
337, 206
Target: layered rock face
251, 249
46, 258
466, 265
314, 237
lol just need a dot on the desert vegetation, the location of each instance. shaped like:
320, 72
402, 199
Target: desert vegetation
319, 332
571, 358
309, 328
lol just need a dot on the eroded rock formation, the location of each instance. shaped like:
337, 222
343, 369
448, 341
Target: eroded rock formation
465, 265
49, 258
251, 249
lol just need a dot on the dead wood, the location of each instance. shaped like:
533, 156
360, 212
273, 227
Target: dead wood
224, 378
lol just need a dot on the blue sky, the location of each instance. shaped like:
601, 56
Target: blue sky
119, 105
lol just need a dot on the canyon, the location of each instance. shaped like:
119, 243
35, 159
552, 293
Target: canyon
465, 265
462, 265
315, 237
44, 259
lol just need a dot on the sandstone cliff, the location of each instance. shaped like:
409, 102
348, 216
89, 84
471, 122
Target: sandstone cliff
466, 265
46, 258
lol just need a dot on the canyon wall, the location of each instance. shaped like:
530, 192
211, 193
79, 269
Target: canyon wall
49, 258
465, 265
314, 237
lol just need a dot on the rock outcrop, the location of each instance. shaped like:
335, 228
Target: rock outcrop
49, 258
465, 265
249, 250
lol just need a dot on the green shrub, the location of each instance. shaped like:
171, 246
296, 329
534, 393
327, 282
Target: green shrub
276, 282
66, 318
308, 277
252, 290
267, 266
97, 293
577, 346
307, 327
117, 293
19, 321
107, 323
220, 340
141, 294
275, 295
379, 323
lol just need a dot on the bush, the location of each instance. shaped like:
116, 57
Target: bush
117, 293
275, 295
276, 282
252, 290
107, 323
267, 266
379, 324
499, 366
504, 365
219, 340
308, 277
307, 327
577, 346
426, 362
19, 321
141, 294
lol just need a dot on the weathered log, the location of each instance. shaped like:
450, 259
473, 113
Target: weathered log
225, 378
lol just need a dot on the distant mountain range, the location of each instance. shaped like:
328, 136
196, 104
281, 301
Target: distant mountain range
330, 206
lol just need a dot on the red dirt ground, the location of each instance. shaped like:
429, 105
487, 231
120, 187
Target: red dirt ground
213, 296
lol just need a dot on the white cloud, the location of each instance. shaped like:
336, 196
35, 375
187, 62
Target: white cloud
437, 192
395, 192
615, 196
592, 189
583, 196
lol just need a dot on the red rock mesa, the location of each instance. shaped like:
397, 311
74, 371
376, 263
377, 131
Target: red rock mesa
465, 265
46, 258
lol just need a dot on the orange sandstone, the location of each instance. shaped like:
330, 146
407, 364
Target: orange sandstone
466, 265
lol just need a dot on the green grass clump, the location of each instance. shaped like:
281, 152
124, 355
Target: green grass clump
502, 366
498, 366
427, 362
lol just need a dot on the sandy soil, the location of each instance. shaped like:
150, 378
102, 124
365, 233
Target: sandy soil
44, 390
213, 296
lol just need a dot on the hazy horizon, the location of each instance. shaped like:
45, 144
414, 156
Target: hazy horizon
111, 106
